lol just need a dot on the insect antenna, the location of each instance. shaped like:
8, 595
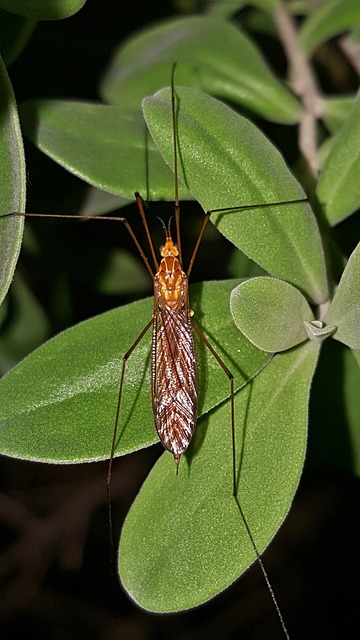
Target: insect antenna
176, 179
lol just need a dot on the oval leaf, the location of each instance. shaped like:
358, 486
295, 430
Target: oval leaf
12, 183
212, 55
183, 540
226, 161
105, 146
327, 20
42, 9
344, 310
59, 404
270, 313
339, 188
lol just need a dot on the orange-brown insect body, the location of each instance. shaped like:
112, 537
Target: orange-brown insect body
173, 370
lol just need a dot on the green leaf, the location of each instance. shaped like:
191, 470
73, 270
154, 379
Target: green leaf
270, 313
212, 55
105, 146
183, 540
43, 9
23, 323
352, 404
224, 8
356, 355
59, 404
334, 443
266, 5
336, 111
96, 201
344, 312
15, 32
327, 20
12, 182
226, 161
339, 188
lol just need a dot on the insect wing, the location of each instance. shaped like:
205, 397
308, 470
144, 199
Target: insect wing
173, 371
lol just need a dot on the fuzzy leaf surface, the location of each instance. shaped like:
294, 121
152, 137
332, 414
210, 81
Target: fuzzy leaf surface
339, 188
183, 540
59, 404
225, 161
106, 146
344, 312
12, 182
270, 313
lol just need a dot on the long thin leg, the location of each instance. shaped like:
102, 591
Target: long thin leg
140, 204
116, 424
103, 218
234, 478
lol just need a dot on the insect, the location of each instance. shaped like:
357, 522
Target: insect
173, 370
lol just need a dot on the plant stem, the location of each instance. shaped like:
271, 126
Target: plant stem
304, 85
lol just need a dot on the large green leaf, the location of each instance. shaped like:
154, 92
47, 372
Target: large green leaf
226, 161
339, 188
105, 146
42, 9
344, 311
183, 540
59, 404
328, 19
12, 182
212, 55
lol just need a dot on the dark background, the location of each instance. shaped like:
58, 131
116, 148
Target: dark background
55, 568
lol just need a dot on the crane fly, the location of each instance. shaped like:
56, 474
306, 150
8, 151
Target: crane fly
173, 361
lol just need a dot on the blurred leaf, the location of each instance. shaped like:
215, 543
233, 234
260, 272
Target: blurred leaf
242, 168
328, 19
124, 274
24, 325
43, 9
15, 32
337, 111
356, 355
352, 404
224, 8
98, 201
12, 182
240, 266
211, 55
344, 310
59, 404
334, 439
270, 313
324, 150
339, 188
183, 540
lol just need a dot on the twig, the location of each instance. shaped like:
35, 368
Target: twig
304, 85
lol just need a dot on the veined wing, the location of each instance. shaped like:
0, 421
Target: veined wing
173, 372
